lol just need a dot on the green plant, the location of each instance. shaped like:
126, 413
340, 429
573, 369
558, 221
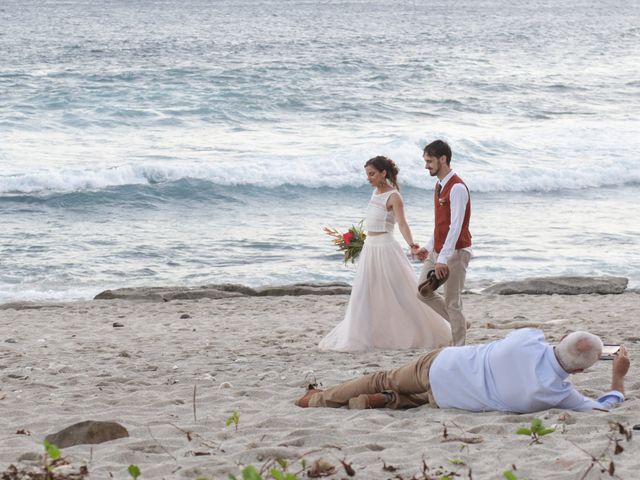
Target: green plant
280, 475
536, 430
233, 418
51, 450
510, 475
134, 471
51, 454
249, 472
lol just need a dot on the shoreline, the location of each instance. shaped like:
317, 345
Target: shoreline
164, 368
560, 285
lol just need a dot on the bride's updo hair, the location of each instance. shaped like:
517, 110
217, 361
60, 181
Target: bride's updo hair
385, 164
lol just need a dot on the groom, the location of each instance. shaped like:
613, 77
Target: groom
449, 250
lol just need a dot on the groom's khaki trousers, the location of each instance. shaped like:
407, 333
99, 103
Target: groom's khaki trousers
449, 307
409, 384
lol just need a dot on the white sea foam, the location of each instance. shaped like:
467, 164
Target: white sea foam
336, 172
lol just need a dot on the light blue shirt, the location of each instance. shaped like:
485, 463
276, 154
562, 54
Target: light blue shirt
519, 373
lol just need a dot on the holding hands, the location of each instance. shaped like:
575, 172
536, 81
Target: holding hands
422, 254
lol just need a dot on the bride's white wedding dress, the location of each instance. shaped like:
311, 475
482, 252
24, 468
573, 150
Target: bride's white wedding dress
384, 311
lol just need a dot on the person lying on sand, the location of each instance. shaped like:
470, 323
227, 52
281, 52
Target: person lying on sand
521, 373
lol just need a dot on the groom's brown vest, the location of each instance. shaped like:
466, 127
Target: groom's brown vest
443, 217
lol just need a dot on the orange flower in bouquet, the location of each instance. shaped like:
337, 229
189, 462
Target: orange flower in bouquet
349, 243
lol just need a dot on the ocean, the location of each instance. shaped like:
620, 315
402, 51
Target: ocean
156, 143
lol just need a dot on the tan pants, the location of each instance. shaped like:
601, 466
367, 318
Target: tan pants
409, 385
449, 307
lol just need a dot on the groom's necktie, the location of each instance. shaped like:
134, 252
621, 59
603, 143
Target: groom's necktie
438, 189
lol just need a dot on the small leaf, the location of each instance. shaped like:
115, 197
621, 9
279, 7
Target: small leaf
523, 431
233, 418
250, 473
509, 475
457, 461
134, 471
546, 431
52, 451
536, 425
277, 474
283, 463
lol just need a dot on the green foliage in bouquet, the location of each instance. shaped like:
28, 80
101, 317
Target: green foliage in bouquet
349, 243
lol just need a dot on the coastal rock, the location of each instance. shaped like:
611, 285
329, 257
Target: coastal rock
28, 306
195, 294
88, 432
233, 287
305, 289
166, 294
30, 457
148, 294
560, 286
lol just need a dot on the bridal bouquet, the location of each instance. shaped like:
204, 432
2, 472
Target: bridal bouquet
350, 242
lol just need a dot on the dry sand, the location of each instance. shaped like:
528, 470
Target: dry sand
67, 363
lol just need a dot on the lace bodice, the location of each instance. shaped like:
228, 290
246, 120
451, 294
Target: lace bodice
378, 218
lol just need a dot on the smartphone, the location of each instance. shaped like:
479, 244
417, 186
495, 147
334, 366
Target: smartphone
609, 352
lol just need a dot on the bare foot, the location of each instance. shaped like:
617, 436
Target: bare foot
304, 400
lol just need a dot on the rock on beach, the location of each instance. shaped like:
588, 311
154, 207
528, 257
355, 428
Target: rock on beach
560, 286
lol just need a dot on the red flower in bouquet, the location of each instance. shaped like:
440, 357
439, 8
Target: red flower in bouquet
350, 242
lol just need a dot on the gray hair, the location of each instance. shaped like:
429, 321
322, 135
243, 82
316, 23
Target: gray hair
579, 350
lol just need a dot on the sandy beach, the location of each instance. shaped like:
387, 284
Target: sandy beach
174, 372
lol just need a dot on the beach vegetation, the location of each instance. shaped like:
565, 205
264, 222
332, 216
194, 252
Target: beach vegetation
134, 471
510, 475
48, 470
51, 452
251, 473
233, 418
536, 430
604, 460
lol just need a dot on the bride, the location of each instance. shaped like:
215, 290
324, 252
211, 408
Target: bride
384, 311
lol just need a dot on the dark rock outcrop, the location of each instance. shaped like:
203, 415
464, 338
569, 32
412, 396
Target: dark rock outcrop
560, 286
166, 294
88, 432
29, 306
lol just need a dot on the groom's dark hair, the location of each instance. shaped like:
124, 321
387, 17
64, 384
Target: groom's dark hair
437, 149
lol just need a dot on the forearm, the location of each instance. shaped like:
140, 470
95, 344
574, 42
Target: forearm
406, 233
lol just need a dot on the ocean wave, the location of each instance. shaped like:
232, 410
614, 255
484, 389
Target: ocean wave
193, 180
